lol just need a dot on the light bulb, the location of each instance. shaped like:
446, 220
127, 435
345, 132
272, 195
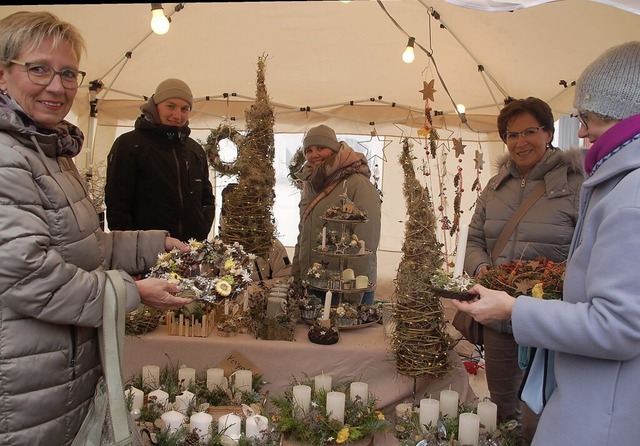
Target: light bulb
461, 108
408, 54
159, 22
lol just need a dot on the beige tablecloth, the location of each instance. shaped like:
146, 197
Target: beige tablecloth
361, 354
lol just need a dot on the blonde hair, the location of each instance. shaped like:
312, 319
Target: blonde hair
25, 31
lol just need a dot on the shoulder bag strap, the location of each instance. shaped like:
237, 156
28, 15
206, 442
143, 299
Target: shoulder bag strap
112, 346
515, 219
326, 191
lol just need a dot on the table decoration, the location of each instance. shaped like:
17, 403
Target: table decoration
276, 328
319, 276
324, 332
317, 427
142, 320
194, 320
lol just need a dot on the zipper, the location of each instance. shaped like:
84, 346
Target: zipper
72, 349
179, 184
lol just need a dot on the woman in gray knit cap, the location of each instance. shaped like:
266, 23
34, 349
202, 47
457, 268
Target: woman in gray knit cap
332, 168
594, 332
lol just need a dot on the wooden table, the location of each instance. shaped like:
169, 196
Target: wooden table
361, 354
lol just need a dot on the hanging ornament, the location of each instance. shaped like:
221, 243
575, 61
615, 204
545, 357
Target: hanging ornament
428, 90
458, 146
479, 161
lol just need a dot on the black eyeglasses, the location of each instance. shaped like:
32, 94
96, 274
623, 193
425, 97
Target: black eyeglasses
43, 74
512, 137
582, 117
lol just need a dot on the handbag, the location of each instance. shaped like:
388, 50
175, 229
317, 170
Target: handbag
465, 324
108, 423
539, 380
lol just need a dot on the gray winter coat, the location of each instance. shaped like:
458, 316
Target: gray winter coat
546, 229
53, 256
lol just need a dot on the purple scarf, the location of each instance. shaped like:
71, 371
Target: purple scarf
610, 140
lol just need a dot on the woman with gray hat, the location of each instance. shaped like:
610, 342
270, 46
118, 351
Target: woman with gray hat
594, 331
331, 169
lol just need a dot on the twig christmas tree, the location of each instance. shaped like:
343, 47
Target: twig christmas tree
421, 343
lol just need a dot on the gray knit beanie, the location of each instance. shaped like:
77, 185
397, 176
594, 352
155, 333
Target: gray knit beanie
173, 88
322, 136
610, 85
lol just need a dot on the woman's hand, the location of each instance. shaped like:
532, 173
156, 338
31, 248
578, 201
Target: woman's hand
490, 305
160, 294
170, 243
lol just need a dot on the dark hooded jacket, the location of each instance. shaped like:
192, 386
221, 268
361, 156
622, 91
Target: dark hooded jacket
158, 178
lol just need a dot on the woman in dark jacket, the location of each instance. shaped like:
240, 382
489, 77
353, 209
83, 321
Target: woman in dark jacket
52, 250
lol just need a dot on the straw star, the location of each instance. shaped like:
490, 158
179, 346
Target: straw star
458, 146
428, 90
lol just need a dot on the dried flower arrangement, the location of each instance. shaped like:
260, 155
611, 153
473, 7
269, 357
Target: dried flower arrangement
315, 428
280, 327
346, 314
142, 320
210, 271
347, 211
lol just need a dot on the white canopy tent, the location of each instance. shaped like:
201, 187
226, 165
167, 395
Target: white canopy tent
340, 63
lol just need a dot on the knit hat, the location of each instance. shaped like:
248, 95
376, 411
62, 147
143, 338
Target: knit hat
173, 88
322, 136
610, 85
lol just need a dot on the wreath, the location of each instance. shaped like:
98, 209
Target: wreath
212, 148
296, 163
210, 271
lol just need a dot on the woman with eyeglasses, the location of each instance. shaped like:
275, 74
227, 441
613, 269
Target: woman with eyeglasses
526, 126
594, 331
52, 250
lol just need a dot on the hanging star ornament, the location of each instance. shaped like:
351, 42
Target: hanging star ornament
428, 90
458, 146
479, 160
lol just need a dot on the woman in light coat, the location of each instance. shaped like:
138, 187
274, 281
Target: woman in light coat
52, 250
595, 330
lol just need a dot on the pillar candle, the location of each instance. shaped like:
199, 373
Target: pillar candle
461, 249
275, 306
449, 403
186, 376
230, 426
324, 237
362, 282
226, 307
302, 397
348, 275
488, 413
160, 396
137, 397
469, 429
403, 410
214, 378
183, 401
242, 380
429, 412
335, 406
327, 306
172, 420
359, 389
151, 376
323, 382
256, 425
200, 422
245, 302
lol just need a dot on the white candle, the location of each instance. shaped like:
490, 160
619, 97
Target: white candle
362, 282
359, 389
159, 396
488, 413
183, 401
226, 307
242, 380
462, 247
327, 306
449, 403
429, 413
348, 275
275, 306
245, 302
323, 382
324, 237
256, 426
200, 422
230, 426
173, 420
137, 397
403, 410
186, 377
469, 429
214, 378
302, 397
151, 376
362, 249
335, 406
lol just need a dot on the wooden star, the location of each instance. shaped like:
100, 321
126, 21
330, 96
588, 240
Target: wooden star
458, 146
479, 161
427, 90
